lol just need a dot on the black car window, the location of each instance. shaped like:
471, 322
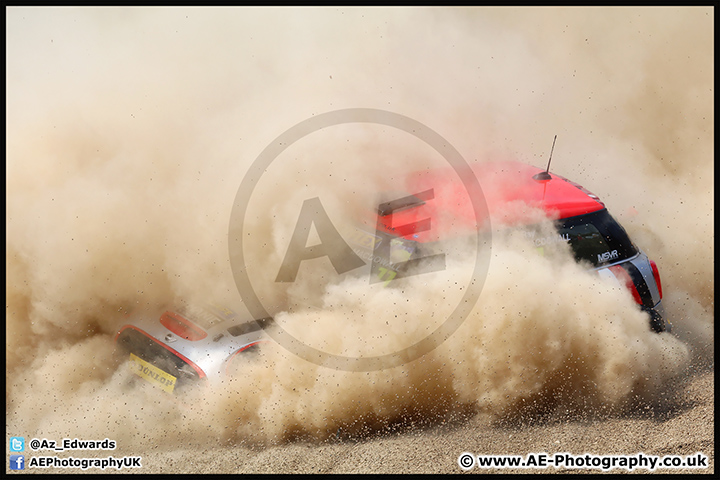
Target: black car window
245, 328
597, 238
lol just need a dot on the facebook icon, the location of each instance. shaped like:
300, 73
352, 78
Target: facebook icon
17, 462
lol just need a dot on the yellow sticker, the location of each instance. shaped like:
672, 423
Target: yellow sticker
364, 239
152, 374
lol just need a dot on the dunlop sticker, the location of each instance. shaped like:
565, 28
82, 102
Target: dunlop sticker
152, 373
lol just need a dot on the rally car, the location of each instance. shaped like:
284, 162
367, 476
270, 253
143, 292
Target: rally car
513, 191
176, 346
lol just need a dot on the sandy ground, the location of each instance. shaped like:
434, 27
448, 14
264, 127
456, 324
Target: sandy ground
684, 427
681, 426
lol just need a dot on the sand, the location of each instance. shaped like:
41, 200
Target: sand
683, 427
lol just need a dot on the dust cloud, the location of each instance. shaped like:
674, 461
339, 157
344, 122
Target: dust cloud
129, 131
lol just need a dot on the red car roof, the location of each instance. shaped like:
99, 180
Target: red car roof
513, 197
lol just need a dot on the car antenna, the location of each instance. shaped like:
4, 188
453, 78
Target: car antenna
546, 174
